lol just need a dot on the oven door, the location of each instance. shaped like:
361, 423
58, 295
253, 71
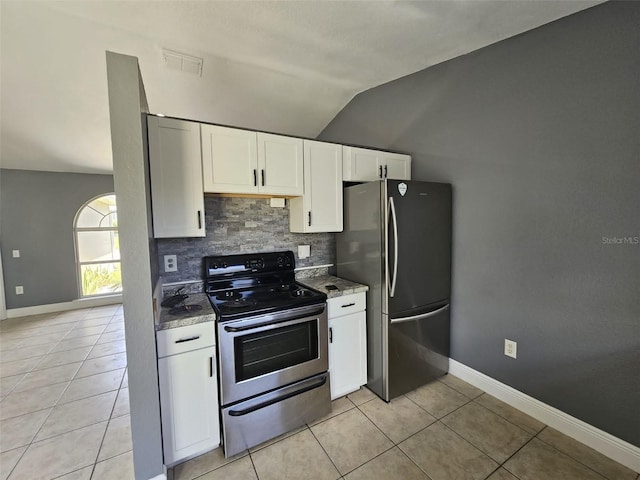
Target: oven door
265, 352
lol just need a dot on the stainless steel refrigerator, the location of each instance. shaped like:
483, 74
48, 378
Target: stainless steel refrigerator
397, 240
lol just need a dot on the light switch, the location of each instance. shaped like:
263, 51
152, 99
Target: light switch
304, 251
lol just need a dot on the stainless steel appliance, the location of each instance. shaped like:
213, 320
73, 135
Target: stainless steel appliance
397, 240
272, 347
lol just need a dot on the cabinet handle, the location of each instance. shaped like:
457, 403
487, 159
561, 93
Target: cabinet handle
385, 171
309, 217
380, 171
330, 335
182, 340
263, 176
255, 177
348, 305
211, 367
199, 219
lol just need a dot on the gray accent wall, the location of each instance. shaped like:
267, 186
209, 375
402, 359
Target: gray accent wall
242, 225
37, 213
539, 135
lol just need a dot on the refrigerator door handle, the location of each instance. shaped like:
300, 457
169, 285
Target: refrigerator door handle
392, 207
421, 316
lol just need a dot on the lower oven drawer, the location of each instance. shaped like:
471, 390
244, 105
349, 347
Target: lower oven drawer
251, 422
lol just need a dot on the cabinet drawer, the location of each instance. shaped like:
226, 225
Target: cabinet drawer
346, 304
185, 339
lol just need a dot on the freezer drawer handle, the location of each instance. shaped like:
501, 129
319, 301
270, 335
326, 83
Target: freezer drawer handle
348, 305
182, 340
246, 411
421, 316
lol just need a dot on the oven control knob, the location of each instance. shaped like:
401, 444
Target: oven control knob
225, 265
215, 266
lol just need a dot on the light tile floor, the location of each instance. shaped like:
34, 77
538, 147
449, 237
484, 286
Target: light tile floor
443, 431
64, 413
64, 397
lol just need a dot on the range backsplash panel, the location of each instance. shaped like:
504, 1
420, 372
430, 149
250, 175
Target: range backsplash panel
242, 225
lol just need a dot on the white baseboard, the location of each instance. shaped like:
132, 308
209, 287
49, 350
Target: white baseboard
605, 443
162, 476
63, 306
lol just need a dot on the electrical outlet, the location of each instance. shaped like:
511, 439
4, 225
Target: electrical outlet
19, 290
510, 348
15, 253
170, 263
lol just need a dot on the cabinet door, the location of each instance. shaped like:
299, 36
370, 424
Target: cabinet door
189, 404
175, 166
396, 166
361, 165
229, 160
347, 353
320, 209
280, 165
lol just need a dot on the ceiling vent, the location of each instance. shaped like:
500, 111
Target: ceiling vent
182, 62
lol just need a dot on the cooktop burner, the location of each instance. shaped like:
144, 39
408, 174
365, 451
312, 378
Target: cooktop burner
239, 303
285, 288
246, 285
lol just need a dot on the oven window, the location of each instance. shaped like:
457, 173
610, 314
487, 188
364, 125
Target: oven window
273, 350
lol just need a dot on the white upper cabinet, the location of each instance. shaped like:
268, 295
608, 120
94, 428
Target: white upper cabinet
229, 160
175, 166
240, 161
365, 165
395, 166
320, 208
360, 164
281, 165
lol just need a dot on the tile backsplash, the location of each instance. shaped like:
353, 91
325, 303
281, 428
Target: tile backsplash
242, 225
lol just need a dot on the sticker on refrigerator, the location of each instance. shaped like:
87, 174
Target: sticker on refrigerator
402, 188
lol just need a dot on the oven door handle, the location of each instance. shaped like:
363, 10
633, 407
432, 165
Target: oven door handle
267, 323
259, 406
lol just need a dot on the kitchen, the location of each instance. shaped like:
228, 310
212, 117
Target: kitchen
480, 187
249, 288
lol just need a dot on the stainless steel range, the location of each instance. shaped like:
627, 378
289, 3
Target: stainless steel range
272, 347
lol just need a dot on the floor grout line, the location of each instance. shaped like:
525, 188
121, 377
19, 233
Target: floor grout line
359, 407
52, 346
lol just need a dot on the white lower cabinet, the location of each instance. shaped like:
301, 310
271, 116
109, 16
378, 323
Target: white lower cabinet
188, 392
347, 343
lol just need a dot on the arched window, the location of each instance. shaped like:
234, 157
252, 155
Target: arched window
97, 247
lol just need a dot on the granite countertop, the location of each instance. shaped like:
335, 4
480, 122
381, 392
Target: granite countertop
206, 314
345, 287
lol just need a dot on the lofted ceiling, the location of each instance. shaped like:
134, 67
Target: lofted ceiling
281, 66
